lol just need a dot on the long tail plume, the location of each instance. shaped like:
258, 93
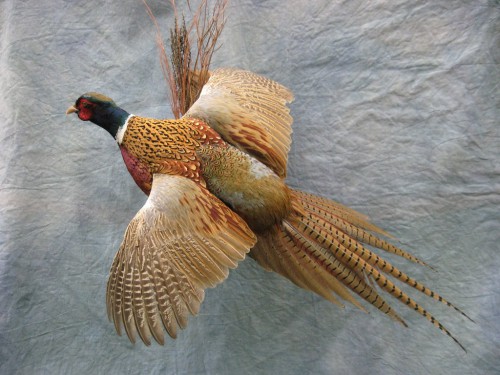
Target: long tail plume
321, 247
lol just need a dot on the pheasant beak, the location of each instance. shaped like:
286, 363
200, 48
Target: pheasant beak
71, 109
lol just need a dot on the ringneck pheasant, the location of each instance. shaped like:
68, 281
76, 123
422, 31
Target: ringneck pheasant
215, 180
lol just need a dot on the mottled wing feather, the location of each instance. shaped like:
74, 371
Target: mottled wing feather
182, 241
249, 111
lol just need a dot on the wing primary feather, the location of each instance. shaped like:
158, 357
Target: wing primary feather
117, 297
162, 277
139, 312
179, 308
150, 302
126, 302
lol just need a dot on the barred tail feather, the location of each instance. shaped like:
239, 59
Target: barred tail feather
352, 223
320, 247
343, 245
277, 251
348, 277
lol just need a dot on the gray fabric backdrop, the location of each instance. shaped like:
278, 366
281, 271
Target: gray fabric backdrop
396, 114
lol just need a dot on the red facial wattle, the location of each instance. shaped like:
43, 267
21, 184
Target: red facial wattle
85, 109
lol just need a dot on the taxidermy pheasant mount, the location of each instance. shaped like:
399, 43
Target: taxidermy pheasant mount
216, 184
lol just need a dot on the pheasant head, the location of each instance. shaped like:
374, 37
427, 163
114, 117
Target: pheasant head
101, 110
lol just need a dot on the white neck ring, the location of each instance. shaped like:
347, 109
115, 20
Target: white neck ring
121, 130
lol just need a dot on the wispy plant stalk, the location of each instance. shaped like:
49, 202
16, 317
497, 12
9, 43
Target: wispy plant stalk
191, 49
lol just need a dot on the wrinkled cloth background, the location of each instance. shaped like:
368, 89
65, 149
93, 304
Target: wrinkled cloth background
396, 115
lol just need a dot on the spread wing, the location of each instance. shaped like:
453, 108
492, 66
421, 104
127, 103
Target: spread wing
182, 241
249, 111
